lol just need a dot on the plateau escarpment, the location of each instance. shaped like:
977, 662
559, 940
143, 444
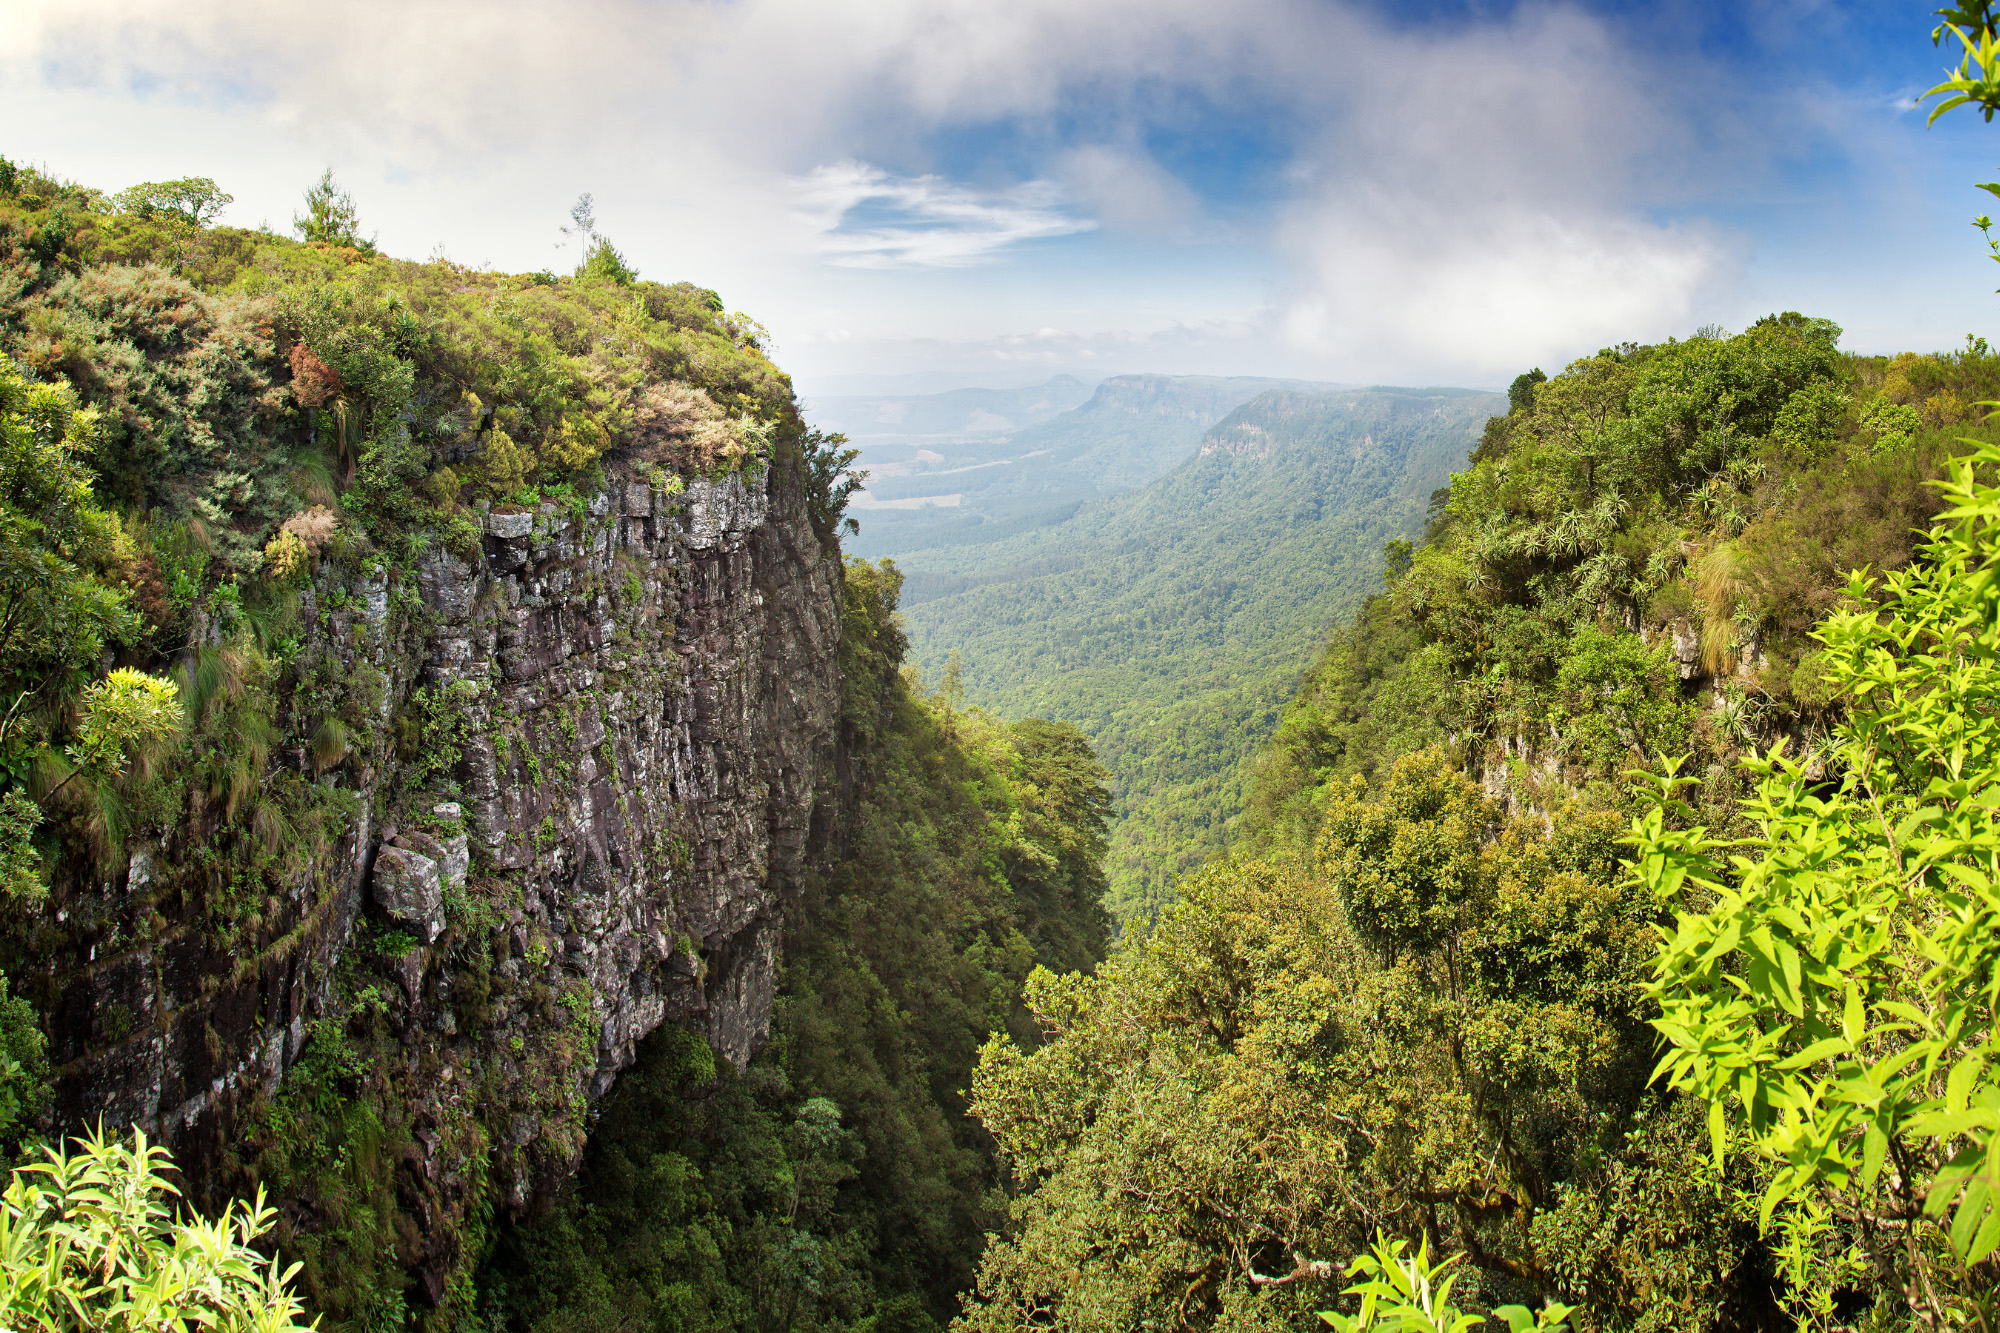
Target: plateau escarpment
634, 699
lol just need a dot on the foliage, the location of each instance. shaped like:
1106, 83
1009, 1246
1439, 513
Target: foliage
60, 607
1169, 624
605, 264
89, 1241
331, 217
126, 711
838, 1180
185, 206
830, 481
1432, 1026
1828, 993
56, 614
24, 1070
1407, 1293
195, 201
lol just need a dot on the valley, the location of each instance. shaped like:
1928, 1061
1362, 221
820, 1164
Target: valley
1170, 618
518, 817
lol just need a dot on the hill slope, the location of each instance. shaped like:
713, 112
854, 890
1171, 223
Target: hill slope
976, 489
1170, 624
956, 411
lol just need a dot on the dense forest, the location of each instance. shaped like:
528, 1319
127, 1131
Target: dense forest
1416, 997
838, 1182
1170, 623
1606, 938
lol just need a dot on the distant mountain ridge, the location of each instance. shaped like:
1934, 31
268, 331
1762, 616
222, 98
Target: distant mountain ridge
956, 411
978, 489
1171, 622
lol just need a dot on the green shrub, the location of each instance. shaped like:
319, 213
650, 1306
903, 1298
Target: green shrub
88, 1240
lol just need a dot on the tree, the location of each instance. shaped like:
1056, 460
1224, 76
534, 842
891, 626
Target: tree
582, 227
193, 201
57, 613
604, 263
1976, 81
88, 1241
1831, 992
1521, 393
1430, 1028
331, 217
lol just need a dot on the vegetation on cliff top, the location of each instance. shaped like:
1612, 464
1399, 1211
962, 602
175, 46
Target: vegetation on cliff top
212, 436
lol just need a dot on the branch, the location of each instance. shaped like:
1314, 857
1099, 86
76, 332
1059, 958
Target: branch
1316, 1269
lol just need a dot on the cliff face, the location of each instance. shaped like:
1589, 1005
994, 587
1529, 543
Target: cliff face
640, 700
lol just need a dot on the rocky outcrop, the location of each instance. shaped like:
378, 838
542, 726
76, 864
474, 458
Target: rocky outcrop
575, 799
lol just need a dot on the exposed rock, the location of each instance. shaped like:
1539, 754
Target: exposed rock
452, 855
407, 887
507, 526
1685, 644
650, 691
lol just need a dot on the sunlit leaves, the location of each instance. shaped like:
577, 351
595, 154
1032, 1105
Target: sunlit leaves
1402, 1292
1831, 991
89, 1240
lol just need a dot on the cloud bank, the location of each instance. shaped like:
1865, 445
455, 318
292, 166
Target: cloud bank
1352, 197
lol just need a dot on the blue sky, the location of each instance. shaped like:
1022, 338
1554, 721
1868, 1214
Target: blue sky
996, 190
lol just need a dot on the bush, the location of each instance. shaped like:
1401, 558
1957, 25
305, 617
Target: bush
88, 1241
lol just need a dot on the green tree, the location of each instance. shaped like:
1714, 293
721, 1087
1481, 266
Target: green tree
89, 1241
1830, 991
331, 217
1430, 1027
604, 263
192, 201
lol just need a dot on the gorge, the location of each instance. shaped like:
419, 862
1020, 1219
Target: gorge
1277, 854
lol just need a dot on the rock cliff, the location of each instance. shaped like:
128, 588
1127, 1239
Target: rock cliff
574, 791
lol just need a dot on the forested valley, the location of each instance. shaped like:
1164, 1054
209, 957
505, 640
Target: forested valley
482, 850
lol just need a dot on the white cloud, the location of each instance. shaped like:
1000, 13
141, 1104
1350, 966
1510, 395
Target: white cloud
1490, 211
1450, 200
1130, 192
1392, 286
925, 221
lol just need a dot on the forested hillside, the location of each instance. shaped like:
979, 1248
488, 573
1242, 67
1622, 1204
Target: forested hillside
837, 1182
1170, 624
1421, 996
968, 493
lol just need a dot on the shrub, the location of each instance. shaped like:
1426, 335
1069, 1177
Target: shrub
88, 1240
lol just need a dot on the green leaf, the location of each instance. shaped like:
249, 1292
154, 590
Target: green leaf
1964, 1076
1816, 1052
1987, 1240
1965, 1223
1874, 1148
1788, 958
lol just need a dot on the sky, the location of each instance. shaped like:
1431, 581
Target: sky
929, 192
